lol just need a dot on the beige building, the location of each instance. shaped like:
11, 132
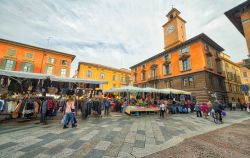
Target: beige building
233, 82
245, 79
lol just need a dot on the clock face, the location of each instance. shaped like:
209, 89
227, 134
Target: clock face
170, 29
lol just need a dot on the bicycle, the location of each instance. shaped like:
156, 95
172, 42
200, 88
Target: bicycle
216, 117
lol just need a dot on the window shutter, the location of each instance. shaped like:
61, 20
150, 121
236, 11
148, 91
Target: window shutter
180, 65
31, 67
170, 68
14, 66
164, 70
46, 69
189, 63
2, 66
22, 66
60, 72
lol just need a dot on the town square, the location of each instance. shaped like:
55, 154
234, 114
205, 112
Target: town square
107, 79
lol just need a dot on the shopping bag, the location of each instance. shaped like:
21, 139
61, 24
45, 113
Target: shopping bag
63, 119
248, 109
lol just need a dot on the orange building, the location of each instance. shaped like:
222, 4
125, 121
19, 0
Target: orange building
240, 17
22, 57
193, 65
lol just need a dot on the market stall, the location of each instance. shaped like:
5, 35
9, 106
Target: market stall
146, 98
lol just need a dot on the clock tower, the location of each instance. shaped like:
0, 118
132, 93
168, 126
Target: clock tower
174, 29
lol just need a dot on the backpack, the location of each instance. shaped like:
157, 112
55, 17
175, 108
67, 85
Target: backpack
50, 104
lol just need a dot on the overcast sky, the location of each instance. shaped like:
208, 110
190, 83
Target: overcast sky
117, 33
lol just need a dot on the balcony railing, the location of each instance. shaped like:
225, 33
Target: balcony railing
246, 63
153, 78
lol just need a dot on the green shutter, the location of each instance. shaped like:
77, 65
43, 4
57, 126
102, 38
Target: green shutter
189, 63
22, 66
170, 69
45, 69
14, 66
2, 66
60, 71
32, 68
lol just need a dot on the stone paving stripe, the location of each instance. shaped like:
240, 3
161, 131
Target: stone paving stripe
117, 129
42, 156
54, 143
141, 132
46, 136
90, 135
140, 137
33, 153
95, 154
65, 153
54, 150
139, 143
7, 145
103, 145
77, 144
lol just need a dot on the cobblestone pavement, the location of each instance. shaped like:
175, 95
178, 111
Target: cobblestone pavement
229, 142
106, 137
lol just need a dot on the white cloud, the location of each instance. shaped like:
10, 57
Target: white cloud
115, 33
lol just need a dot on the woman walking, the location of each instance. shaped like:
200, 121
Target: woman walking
69, 113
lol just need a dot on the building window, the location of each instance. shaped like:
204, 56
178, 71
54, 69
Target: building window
11, 52
64, 62
10, 64
143, 66
135, 69
184, 50
51, 60
191, 81
167, 69
209, 62
206, 47
63, 72
29, 55
113, 77
114, 85
153, 73
186, 64
245, 74
143, 76
185, 82
50, 70
89, 73
169, 83
167, 57
102, 75
135, 77
27, 67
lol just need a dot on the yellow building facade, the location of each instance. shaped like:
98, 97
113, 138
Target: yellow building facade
245, 78
233, 81
115, 77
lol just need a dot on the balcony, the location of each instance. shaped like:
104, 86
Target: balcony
153, 78
184, 55
246, 63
